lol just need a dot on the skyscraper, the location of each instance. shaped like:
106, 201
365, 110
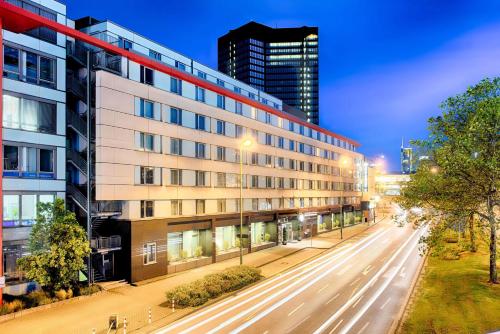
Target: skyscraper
407, 166
280, 61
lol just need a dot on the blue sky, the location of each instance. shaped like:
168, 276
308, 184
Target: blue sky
385, 66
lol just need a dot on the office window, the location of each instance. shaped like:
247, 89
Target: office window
175, 116
221, 205
221, 127
201, 122
147, 76
202, 75
269, 160
251, 95
176, 177
176, 207
293, 183
254, 181
301, 202
220, 82
301, 148
175, 85
268, 118
155, 55
200, 94
147, 209
281, 183
29, 67
255, 204
292, 202
291, 145
149, 253
238, 131
221, 153
200, 150
11, 158
301, 129
46, 76
255, 158
200, 178
200, 206
291, 164
291, 126
221, 179
12, 64
147, 141
281, 142
147, 175
176, 146
180, 66
46, 161
281, 162
125, 43
221, 101
237, 90
30, 115
238, 108
269, 182
29, 162
147, 109
269, 139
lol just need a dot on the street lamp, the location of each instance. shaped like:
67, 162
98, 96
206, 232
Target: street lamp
343, 162
245, 143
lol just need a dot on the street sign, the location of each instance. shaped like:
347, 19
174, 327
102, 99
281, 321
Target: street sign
2, 282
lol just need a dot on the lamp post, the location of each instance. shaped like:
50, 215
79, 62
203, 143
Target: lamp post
343, 162
245, 143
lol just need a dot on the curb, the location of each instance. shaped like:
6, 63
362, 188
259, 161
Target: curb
405, 308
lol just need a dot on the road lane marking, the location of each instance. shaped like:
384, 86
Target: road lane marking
386, 302
379, 292
355, 281
367, 269
363, 328
354, 291
302, 269
297, 325
323, 288
343, 271
290, 296
336, 326
266, 332
402, 274
346, 305
296, 309
357, 301
332, 299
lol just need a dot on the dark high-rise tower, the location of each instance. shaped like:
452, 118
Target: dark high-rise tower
282, 62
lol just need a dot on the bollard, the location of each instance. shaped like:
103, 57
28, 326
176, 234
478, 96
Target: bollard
93, 330
173, 305
149, 316
124, 325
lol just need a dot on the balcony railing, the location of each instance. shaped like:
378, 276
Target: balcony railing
107, 208
100, 243
106, 61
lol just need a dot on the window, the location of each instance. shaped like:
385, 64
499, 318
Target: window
200, 94
28, 66
269, 160
176, 146
238, 131
176, 177
147, 209
175, 85
176, 207
238, 108
221, 101
20, 210
221, 205
291, 145
175, 116
202, 75
281, 142
220, 82
200, 150
301, 148
221, 127
291, 164
147, 76
301, 201
221, 180
30, 115
147, 175
281, 162
251, 95
237, 90
200, 178
269, 182
293, 183
125, 43
146, 141
255, 158
301, 129
180, 66
29, 162
147, 109
149, 253
155, 55
255, 181
200, 206
11, 63
291, 126
255, 204
269, 139
268, 118
221, 153
201, 122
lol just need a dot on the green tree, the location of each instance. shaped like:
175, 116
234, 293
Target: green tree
58, 247
461, 178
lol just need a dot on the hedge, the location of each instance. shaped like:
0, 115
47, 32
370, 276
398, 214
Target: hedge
211, 286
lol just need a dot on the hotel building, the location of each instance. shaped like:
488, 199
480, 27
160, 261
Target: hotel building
154, 151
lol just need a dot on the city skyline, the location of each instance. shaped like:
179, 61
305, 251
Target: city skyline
404, 73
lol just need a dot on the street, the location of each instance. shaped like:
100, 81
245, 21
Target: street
356, 288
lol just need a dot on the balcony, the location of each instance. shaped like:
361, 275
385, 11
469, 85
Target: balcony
107, 208
102, 60
101, 244
77, 52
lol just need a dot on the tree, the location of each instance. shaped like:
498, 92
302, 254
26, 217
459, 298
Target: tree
58, 247
461, 177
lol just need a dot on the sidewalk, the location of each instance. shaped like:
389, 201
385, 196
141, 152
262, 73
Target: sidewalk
133, 302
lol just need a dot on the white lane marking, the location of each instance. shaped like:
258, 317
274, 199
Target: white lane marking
357, 301
297, 325
402, 273
336, 326
355, 281
324, 258
266, 332
386, 302
265, 312
330, 320
296, 309
323, 288
386, 240
367, 269
343, 271
332, 299
380, 290
363, 328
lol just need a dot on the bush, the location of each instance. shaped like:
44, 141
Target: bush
211, 286
38, 298
61, 294
13, 306
89, 290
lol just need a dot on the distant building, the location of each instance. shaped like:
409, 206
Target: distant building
280, 61
407, 165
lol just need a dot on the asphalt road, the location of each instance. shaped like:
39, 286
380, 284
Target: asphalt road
358, 287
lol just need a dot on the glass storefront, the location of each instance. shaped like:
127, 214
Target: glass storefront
263, 233
227, 238
324, 222
189, 244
